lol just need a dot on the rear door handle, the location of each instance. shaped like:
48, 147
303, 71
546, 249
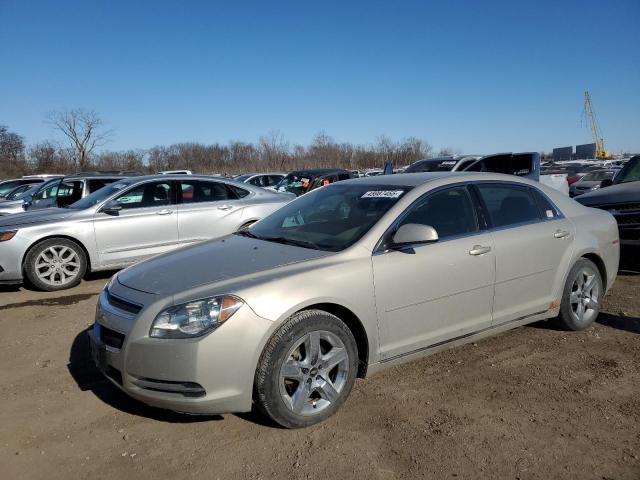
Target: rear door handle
166, 211
225, 207
561, 233
479, 250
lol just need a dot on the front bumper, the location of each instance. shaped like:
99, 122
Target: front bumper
11, 254
212, 374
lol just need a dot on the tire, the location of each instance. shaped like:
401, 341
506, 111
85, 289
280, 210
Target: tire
581, 298
298, 390
64, 260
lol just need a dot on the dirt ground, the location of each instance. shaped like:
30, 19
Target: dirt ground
531, 403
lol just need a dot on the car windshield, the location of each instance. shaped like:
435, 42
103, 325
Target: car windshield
295, 183
630, 172
7, 187
21, 192
100, 195
241, 178
331, 218
597, 176
431, 166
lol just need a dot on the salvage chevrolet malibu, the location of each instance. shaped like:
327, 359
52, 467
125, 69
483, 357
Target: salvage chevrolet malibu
345, 280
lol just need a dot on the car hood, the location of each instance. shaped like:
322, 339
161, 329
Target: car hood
620, 193
10, 203
210, 262
36, 216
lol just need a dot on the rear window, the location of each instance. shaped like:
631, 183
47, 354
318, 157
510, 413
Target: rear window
519, 164
431, 166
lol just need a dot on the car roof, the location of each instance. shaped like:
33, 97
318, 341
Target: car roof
416, 179
318, 171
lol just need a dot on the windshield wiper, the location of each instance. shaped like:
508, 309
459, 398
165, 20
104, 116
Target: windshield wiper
291, 241
247, 233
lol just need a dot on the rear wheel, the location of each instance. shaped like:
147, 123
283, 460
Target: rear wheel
55, 264
307, 369
582, 297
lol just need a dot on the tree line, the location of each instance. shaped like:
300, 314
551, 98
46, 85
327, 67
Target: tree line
84, 135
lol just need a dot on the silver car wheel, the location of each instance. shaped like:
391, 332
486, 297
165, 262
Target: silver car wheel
57, 265
584, 295
314, 373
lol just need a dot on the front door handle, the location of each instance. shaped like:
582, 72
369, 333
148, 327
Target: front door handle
479, 250
225, 207
166, 211
561, 233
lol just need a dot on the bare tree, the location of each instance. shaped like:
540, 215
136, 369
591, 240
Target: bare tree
11, 152
84, 130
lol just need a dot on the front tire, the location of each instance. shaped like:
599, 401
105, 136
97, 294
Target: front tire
306, 370
581, 298
55, 264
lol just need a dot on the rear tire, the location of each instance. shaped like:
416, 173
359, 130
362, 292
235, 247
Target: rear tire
306, 370
55, 264
582, 297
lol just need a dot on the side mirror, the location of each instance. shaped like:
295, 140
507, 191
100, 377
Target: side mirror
607, 182
413, 234
112, 208
27, 201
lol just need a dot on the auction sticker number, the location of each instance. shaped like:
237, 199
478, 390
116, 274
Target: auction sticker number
383, 194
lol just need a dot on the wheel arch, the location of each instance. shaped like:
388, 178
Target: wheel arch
49, 237
354, 324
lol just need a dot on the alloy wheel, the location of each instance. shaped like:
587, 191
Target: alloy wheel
584, 296
57, 265
314, 373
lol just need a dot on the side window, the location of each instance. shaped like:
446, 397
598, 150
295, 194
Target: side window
257, 181
48, 192
238, 192
153, 194
273, 180
509, 204
450, 212
343, 176
69, 192
198, 191
547, 209
97, 184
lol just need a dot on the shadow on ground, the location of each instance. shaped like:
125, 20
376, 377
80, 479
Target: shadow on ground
88, 377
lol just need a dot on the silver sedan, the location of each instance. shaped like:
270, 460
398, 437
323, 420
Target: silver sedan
123, 223
344, 281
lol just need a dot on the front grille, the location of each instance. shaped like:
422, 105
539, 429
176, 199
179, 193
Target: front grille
628, 219
620, 207
111, 338
122, 304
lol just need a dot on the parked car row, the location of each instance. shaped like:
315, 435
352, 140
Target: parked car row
111, 220
123, 222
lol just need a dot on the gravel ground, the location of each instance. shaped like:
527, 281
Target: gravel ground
531, 403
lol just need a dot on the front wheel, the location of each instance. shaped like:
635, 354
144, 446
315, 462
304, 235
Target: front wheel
307, 369
55, 264
581, 298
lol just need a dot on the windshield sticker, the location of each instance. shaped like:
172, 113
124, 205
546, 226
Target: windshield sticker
448, 162
383, 194
549, 213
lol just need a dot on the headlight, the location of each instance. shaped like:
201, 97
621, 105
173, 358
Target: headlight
8, 235
194, 319
111, 281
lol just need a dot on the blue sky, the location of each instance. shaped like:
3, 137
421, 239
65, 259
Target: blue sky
481, 76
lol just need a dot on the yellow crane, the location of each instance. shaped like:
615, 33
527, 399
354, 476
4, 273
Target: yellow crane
601, 153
